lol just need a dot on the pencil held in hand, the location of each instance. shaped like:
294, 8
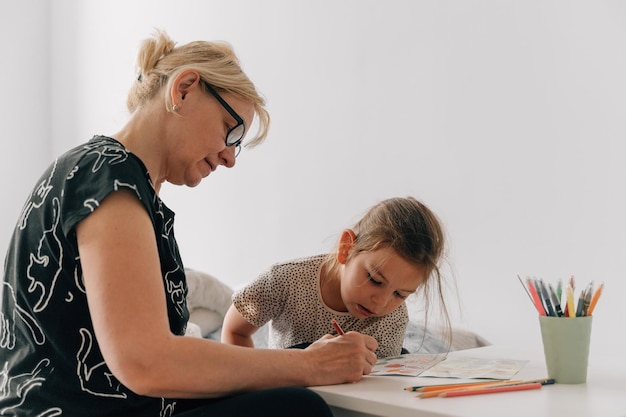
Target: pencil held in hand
337, 327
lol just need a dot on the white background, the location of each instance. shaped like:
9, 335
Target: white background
507, 118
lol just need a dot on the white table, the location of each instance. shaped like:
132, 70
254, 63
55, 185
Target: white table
604, 394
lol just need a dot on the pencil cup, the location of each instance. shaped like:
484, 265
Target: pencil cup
566, 347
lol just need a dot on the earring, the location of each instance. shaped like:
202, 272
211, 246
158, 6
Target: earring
175, 108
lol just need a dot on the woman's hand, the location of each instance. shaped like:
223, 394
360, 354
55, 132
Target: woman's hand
336, 360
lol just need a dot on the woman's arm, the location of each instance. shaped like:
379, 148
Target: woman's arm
122, 276
236, 330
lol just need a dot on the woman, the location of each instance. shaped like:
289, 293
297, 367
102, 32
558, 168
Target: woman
93, 295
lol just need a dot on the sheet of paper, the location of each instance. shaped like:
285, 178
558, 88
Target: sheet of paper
468, 367
411, 364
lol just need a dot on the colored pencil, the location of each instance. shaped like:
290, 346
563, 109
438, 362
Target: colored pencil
571, 310
594, 300
337, 327
535, 297
433, 391
427, 388
492, 390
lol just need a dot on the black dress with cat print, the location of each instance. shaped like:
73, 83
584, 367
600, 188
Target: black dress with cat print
48, 348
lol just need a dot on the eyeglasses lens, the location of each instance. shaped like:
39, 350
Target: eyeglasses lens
235, 135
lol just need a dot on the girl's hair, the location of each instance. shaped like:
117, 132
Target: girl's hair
159, 61
414, 232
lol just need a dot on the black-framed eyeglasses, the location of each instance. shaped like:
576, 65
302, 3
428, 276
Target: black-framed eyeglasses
235, 134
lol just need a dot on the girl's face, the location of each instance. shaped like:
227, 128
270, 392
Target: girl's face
376, 283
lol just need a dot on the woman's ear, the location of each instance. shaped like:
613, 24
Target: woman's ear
182, 84
346, 241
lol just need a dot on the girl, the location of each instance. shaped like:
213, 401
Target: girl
391, 253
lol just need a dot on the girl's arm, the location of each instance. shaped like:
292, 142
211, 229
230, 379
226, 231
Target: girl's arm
121, 272
236, 330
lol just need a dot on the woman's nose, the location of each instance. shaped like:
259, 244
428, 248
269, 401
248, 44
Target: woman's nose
227, 156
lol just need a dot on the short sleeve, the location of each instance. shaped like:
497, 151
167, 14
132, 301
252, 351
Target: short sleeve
264, 298
105, 167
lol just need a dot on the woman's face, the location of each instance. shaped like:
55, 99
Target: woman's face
376, 283
199, 131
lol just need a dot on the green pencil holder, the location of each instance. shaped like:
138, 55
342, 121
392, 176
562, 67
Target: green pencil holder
566, 343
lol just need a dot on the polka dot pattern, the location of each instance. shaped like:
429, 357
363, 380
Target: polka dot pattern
288, 296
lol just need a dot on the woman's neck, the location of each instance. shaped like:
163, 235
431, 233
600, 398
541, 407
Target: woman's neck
143, 136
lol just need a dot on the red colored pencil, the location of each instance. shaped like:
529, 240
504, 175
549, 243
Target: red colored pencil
535, 296
337, 327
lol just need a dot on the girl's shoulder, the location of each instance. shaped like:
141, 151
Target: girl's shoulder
309, 264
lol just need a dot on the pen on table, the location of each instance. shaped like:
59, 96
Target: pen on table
594, 300
535, 297
337, 327
556, 301
434, 390
546, 298
488, 390
587, 301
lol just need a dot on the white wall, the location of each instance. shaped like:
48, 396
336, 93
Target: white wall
25, 104
505, 117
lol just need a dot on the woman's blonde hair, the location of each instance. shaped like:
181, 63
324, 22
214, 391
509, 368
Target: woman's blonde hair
159, 61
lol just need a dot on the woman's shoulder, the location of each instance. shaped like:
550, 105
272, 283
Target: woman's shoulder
85, 175
99, 153
103, 163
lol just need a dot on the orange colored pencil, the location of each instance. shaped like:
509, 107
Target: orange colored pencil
438, 392
460, 385
594, 300
431, 393
520, 387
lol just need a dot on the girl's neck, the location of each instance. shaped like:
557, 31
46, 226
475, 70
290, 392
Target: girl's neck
330, 286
